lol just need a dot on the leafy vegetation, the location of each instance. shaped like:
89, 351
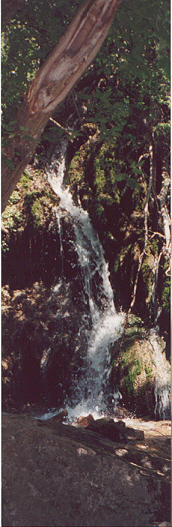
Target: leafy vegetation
120, 108
28, 205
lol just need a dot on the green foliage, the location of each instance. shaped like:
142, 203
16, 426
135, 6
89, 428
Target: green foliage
27, 206
136, 49
36, 207
133, 369
135, 326
137, 368
166, 293
124, 96
25, 180
4, 246
12, 216
149, 372
8, 162
33, 32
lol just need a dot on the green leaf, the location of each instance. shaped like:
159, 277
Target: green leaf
133, 184
26, 136
8, 162
23, 128
11, 136
164, 64
120, 177
163, 44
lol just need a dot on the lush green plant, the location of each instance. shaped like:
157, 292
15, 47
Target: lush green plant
149, 372
166, 292
131, 371
124, 96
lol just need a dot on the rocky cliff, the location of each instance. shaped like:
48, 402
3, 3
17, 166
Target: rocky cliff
46, 312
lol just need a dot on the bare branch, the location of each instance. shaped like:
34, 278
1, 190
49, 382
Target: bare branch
136, 281
60, 126
155, 272
157, 234
151, 157
164, 210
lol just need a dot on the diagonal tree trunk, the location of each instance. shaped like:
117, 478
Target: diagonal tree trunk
72, 55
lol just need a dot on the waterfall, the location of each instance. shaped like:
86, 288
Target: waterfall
100, 325
106, 325
60, 236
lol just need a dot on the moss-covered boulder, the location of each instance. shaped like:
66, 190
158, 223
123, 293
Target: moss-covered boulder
136, 372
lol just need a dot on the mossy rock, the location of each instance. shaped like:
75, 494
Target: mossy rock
138, 376
135, 375
30, 203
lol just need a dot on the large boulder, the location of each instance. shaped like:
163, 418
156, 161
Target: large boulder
59, 475
116, 431
141, 371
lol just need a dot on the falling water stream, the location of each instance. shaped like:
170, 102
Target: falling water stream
106, 324
89, 390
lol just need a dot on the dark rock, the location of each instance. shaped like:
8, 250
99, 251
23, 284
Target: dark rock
109, 429
131, 433
85, 421
116, 431
59, 418
68, 476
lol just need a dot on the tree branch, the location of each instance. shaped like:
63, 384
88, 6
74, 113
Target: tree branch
74, 52
162, 197
145, 224
72, 55
60, 126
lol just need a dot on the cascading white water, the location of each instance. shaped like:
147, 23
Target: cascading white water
106, 327
60, 236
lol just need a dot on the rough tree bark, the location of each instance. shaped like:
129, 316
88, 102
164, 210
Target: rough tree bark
70, 58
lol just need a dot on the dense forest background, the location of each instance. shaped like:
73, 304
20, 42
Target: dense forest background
117, 123
122, 100
67, 353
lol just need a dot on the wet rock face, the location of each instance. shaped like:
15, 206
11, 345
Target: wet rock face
85, 421
63, 476
41, 345
46, 317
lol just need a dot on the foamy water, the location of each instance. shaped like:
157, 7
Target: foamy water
107, 324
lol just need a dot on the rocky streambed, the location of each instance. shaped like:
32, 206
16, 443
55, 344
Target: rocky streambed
62, 475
